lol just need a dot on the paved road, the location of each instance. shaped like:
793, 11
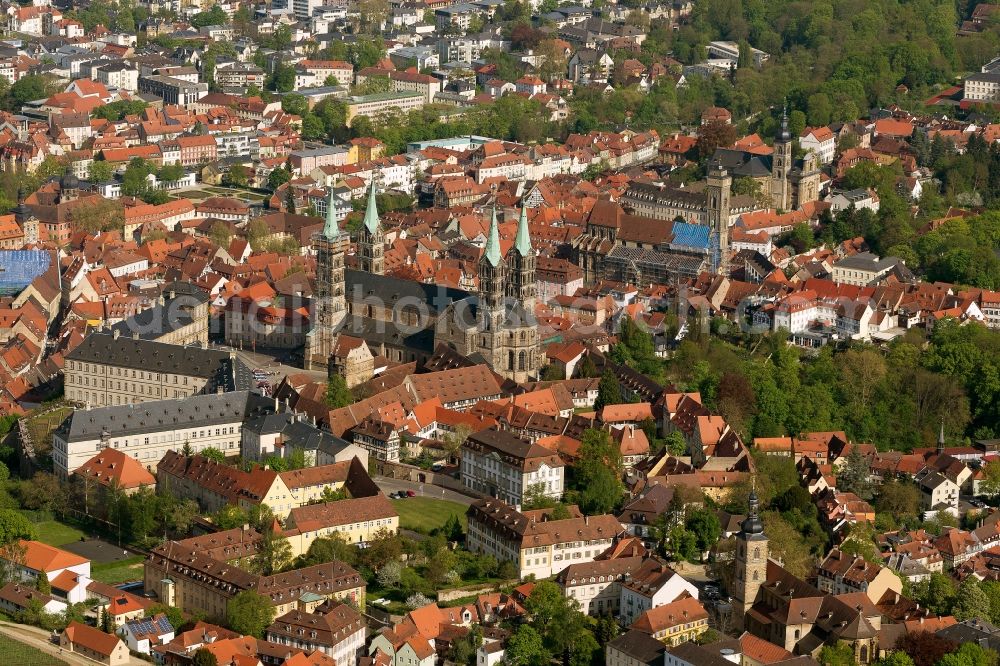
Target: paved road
421, 489
268, 362
39, 638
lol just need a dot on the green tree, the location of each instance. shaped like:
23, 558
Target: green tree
586, 368
936, 594
969, 654
295, 103
274, 553
28, 88
900, 499
203, 657
331, 548
840, 654
597, 474
971, 601
230, 516
682, 544
134, 183
608, 391
174, 615
853, 477
337, 393
283, 79
141, 514
676, 446
383, 547
525, 648
704, 524
170, 172
896, 658
236, 176
278, 177
213, 453
100, 171
249, 613
221, 235
215, 16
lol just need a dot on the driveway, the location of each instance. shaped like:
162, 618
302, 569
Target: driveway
388, 485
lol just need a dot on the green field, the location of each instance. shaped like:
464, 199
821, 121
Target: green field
423, 514
121, 571
55, 533
16, 652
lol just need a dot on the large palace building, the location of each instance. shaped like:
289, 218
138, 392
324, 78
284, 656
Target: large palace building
405, 320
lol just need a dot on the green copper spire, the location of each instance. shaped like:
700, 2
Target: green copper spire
523, 240
493, 241
331, 229
371, 211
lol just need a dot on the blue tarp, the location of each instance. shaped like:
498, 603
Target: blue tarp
19, 267
690, 235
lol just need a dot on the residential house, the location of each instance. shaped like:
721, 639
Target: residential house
94, 644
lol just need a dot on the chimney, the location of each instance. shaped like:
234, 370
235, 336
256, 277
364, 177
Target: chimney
275, 403
116, 334
135, 335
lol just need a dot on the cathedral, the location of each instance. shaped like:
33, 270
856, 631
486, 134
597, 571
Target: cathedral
406, 321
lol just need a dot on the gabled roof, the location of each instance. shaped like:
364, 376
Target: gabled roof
91, 638
42, 557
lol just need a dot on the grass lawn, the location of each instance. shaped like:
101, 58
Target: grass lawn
55, 533
423, 514
16, 652
121, 571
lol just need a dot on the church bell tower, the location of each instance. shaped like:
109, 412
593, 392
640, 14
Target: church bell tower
751, 563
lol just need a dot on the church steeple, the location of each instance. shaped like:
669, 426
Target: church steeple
751, 562
492, 251
522, 243
940, 442
330, 246
521, 263
784, 134
330, 229
371, 221
371, 240
492, 279
781, 165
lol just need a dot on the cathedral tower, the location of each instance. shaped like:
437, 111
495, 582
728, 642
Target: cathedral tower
521, 266
719, 190
751, 563
330, 246
371, 242
492, 279
781, 165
